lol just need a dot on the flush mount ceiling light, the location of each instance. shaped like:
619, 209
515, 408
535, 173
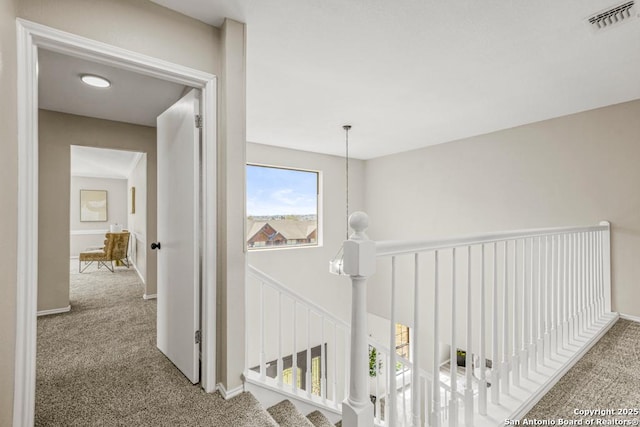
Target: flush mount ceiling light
95, 81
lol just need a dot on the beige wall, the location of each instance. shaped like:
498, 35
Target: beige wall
8, 210
57, 132
231, 206
306, 270
574, 170
138, 25
137, 222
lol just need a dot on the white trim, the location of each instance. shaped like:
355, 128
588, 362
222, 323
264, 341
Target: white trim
133, 165
392, 247
630, 317
98, 176
139, 237
27, 250
253, 379
88, 232
209, 236
54, 311
135, 267
228, 394
30, 37
148, 297
535, 398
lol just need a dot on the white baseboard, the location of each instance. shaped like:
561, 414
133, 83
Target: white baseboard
228, 394
630, 317
135, 267
152, 296
527, 406
54, 311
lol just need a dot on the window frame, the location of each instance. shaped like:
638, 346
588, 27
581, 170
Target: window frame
319, 222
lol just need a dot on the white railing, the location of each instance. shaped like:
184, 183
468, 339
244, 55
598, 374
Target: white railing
294, 345
526, 303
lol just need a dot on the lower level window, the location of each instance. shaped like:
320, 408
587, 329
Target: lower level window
402, 340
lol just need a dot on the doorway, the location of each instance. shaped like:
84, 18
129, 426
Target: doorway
33, 37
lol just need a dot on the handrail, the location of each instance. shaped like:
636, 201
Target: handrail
403, 247
270, 281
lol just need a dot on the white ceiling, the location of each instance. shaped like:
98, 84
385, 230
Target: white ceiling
102, 163
132, 97
411, 73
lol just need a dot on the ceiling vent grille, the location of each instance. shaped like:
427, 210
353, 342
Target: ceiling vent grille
612, 16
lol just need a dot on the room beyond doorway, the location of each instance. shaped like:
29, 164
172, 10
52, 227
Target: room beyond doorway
119, 178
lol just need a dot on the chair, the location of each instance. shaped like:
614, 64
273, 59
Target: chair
116, 246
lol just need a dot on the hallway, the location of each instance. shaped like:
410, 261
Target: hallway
98, 364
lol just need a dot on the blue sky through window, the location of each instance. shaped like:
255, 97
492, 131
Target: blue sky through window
274, 191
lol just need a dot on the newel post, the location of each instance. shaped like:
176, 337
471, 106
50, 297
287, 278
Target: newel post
359, 264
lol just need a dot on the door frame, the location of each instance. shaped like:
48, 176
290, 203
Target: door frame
32, 36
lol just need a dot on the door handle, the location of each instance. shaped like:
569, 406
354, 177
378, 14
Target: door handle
155, 245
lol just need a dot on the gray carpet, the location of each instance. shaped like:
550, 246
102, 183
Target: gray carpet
286, 415
98, 365
608, 376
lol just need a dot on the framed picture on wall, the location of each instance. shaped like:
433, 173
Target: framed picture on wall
93, 205
133, 200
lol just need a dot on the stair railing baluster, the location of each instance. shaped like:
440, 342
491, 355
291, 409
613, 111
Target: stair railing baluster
415, 343
279, 360
468, 393
453, 367
495, 338
263, 327
393, 386
515, 318
482, 387
504, 372
435, 416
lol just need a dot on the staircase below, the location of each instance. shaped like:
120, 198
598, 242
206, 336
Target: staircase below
282, 414
287, 415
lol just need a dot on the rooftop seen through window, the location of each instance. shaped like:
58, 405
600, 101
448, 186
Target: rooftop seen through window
282, 207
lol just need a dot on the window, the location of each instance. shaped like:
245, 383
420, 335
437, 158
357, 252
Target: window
287, 377
315, 376
282, 207
402, 340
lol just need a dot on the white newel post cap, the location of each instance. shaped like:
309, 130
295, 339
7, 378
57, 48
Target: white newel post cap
359, 222
359, 251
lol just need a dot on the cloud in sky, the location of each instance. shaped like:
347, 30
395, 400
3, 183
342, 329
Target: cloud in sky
273, 191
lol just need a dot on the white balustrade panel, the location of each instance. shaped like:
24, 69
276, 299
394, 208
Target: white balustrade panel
490, 315
504, 304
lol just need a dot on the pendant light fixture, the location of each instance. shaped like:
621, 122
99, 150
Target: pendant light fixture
336, 264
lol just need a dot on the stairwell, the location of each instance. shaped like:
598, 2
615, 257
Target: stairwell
531, 301
250, 413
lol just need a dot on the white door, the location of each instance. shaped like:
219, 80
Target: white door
178, 231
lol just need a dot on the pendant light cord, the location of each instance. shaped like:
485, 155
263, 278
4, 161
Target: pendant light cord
346, 129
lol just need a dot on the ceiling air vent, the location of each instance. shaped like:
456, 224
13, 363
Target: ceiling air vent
612, 16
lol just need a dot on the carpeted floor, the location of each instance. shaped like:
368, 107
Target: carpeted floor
98, 365
607, 377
